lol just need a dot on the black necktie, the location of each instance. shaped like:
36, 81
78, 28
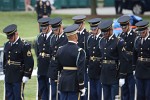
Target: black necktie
57, 37
125, 35
45, 36
144, 41
94, 37
106, 40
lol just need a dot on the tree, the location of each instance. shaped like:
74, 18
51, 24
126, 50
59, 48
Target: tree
93, 7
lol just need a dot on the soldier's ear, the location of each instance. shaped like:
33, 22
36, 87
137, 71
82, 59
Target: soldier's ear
16, 33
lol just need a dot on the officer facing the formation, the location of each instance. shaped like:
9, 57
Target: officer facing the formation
141, 60
112, 50
18, 64
94, 57
58, 40
71, 61
43, 8
43, 47
127, 81
82, 43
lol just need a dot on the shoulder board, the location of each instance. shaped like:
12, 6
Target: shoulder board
24, 42
101, 39
79, 49
119, 39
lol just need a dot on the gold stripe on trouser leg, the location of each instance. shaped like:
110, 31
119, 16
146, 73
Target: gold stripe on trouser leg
79, 96
22, 88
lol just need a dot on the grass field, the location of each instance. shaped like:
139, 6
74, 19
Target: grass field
28, 29
29, 92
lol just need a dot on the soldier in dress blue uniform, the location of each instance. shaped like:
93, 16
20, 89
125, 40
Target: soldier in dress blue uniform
94, 57
141, 60
43, 46
18, 64
43, 8
127, 81
113, 53
71, 62
82, 43
60, 39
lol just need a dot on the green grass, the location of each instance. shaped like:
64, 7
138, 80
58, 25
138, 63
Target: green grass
1, 89
28, 29
29, 91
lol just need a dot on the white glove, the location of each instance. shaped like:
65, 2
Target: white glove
121, 82
134, 72
87, 70
83, 92
25, 79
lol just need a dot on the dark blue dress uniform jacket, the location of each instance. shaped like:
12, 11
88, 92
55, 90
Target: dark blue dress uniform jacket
94, 68
43, 47
52, 72
111, 50
18, 61
142, 51
43, 8
129, 44
82, 39
70, 55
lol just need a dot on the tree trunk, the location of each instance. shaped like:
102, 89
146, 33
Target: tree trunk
93, 7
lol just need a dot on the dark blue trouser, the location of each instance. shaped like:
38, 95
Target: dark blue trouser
95, 89
69, 95
53, 90
110, 91
128, 89
143, 89
14, 91
43, 87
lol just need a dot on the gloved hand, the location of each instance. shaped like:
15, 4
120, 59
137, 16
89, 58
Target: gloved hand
25, 79
121, 82
87, 70
83, 92
134, 72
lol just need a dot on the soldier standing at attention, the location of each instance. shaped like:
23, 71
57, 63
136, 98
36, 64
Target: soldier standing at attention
71, 62
18, 64
141, 61
127, 81
113, 53
82, 43
94, 56
43, 48
59, 39
43, 8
